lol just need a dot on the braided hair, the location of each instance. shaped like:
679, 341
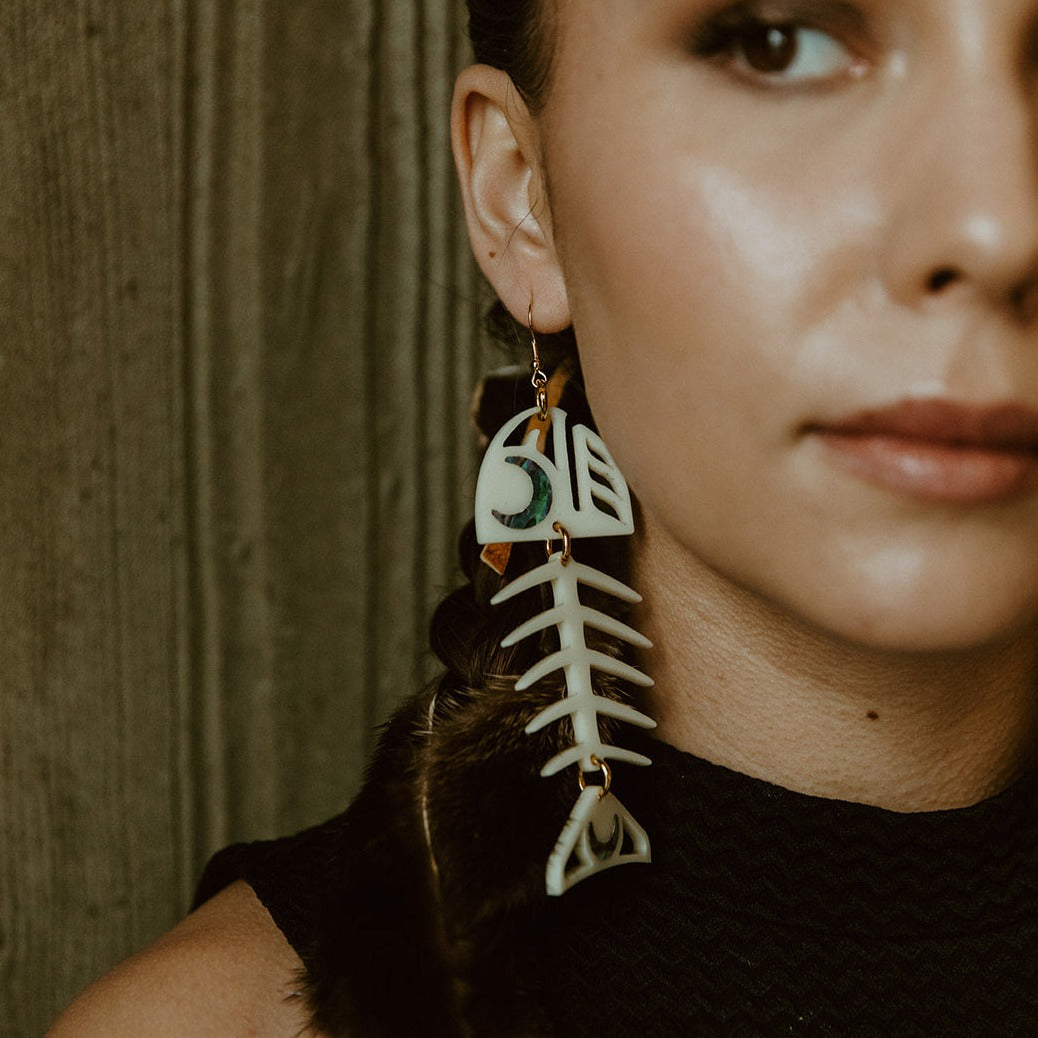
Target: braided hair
457, 819
476, 693
473, 776
515, 36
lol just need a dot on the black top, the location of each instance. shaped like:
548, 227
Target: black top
764, 912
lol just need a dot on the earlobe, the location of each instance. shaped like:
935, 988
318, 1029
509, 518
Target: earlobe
506, 209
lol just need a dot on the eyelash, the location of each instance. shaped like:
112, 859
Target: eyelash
727, 38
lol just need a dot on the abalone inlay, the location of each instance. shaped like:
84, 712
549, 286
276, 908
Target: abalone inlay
587, 494
540, 501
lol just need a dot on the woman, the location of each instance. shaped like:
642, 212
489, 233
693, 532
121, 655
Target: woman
797, 244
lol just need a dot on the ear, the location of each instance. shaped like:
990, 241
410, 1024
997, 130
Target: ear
506, 207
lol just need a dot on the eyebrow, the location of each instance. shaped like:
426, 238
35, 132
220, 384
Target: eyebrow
821, 12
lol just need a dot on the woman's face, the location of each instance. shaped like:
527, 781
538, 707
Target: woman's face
799, 239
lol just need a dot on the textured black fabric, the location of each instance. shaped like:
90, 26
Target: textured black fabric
764, 912
770, 912
290, 876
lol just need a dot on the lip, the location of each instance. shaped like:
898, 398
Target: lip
938, 450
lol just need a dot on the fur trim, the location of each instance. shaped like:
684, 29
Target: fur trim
441, 895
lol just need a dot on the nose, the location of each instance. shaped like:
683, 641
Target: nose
964, 223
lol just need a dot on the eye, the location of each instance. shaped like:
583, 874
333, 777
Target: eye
774, 53
790, 51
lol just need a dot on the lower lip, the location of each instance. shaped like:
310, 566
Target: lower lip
934, 471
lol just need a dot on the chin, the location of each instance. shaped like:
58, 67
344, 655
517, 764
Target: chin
937, 622
933, 639
933, 590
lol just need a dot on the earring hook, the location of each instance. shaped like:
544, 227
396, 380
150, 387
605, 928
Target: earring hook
539, 380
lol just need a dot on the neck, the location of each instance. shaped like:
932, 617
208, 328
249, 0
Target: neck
742, 684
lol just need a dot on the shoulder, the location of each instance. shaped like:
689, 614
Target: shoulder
225, 971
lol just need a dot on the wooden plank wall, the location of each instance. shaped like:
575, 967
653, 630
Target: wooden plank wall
239, 334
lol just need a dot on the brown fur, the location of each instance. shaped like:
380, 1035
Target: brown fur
409, 947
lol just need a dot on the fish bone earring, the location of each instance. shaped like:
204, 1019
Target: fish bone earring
524, 495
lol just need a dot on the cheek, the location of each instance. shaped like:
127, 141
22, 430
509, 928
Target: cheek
715, 318
725, 294
697, 303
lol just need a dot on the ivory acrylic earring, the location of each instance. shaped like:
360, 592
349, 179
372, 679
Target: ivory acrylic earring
524, 495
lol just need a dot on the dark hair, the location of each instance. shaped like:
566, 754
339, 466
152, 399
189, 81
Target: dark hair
473, 710
515, 37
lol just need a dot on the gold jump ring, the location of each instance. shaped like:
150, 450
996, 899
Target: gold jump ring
607, 776
567, 543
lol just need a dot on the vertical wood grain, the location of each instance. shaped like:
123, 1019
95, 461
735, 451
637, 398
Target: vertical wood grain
240, 333
320, 171
326, 356
90, 483
231, 619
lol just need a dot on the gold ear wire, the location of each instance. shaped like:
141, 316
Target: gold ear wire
539, 380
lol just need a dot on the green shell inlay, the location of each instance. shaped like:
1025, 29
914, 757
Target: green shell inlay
540, 502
